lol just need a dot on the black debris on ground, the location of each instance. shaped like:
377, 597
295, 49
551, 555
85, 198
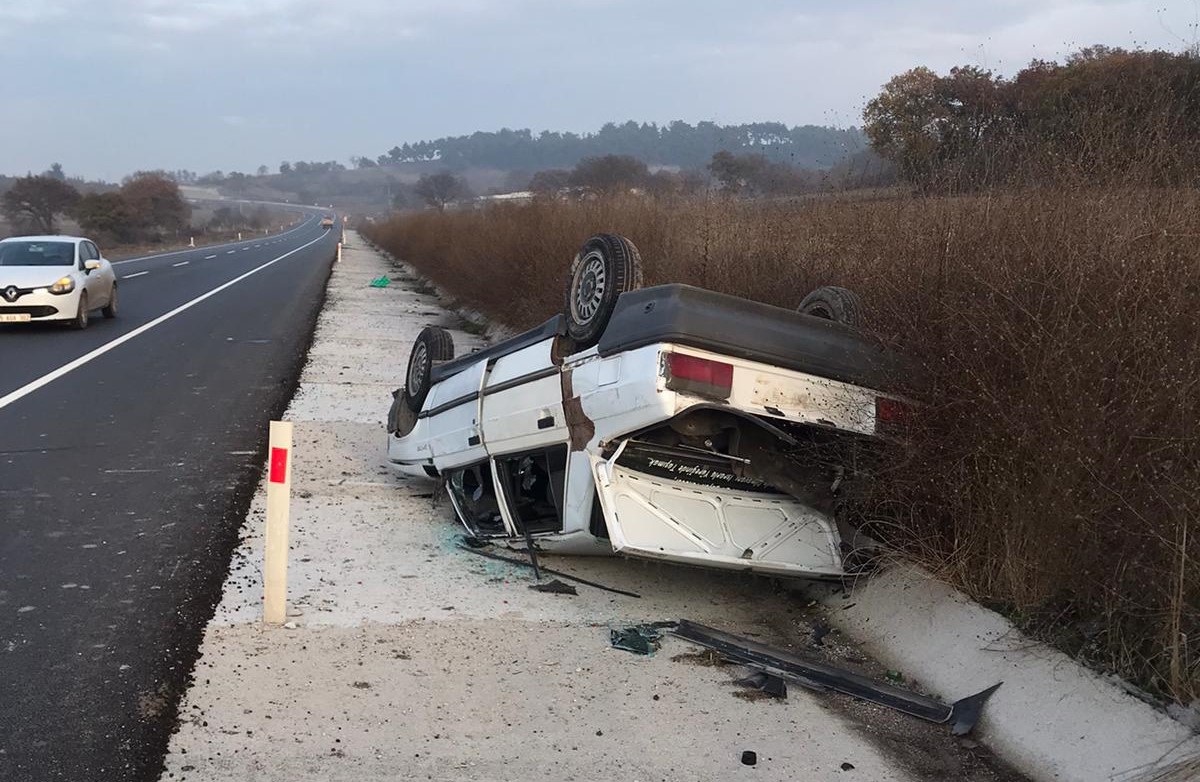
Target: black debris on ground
554, 587
767, 683
749, 758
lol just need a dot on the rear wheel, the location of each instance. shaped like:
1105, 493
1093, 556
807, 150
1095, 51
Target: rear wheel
605, 267
81, 317
831, 302
110, 311
433, 344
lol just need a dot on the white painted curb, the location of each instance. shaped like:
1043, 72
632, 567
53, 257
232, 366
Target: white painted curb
1053, 719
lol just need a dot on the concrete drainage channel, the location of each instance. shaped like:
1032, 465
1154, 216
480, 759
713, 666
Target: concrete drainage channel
407, 656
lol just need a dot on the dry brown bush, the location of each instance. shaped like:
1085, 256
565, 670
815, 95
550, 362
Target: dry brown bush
1055, 472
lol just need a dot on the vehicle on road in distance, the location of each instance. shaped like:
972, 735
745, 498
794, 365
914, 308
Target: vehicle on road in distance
327, 222
669, 422
54, 278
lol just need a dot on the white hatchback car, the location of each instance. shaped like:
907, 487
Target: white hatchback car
669, 423
54, 278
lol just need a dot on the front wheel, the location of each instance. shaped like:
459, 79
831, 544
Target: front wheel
80, 322
110, 310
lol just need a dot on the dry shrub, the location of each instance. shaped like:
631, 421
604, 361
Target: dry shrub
1054, 470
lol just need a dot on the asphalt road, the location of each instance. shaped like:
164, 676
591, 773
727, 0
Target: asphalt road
128, 453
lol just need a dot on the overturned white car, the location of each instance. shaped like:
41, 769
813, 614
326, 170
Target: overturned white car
668, 422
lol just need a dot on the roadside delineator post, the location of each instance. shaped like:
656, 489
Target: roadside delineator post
339, 255
192, 241
279, 491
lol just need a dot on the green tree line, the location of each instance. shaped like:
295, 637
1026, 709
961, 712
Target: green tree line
675, 144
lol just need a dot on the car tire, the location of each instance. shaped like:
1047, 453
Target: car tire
433, 345
830, 302
80, 322
605, 267
110, 310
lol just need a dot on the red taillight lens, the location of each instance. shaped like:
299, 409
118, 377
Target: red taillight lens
700, 376
891, 412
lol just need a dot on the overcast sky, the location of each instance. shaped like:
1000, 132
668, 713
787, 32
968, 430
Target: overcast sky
109, 86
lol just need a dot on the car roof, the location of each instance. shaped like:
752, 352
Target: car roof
46, 238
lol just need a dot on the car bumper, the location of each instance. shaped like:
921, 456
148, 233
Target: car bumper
40, 305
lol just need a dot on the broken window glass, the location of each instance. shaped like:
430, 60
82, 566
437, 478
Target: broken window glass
474, 496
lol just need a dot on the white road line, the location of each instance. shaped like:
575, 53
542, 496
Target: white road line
209, 257
230, 252
192, 249
131, 276
181, 263
71, 366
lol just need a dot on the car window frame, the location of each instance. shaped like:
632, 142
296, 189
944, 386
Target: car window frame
483, 466
558, 487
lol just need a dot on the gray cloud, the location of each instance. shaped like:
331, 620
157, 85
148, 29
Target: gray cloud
109, 86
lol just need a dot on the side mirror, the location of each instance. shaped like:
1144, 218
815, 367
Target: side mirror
91, 266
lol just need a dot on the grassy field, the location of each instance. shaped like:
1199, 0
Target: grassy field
1054, 472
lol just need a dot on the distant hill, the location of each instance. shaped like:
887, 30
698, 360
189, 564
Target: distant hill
505, 160
677, 144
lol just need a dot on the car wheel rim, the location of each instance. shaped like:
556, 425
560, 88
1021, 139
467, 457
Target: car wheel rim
590, 285
416, 368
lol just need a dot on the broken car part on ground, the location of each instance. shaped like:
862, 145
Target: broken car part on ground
778, 664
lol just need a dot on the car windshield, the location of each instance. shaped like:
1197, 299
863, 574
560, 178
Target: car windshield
37, 253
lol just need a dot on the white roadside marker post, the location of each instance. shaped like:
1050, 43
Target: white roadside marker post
279, 491
192, 241
339, 254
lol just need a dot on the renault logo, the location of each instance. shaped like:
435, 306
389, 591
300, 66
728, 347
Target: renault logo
11, 293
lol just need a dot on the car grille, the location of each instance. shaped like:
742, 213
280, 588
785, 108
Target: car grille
39, 311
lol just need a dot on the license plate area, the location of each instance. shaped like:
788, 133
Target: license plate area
15, 317
809, 399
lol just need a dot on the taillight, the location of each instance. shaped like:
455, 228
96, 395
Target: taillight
699, 376
890, 413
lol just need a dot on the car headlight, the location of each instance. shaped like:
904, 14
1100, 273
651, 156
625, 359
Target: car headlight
63, 285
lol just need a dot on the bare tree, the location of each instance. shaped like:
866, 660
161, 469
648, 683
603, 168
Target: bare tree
440, 189
36, 201
156, 203
610, 173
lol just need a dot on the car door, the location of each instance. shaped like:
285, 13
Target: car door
107, 274
93, 282
453, 429
522, 406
